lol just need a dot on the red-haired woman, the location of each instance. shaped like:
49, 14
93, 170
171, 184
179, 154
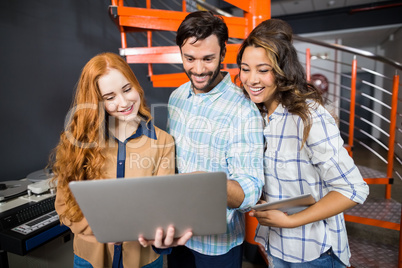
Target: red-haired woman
108, 135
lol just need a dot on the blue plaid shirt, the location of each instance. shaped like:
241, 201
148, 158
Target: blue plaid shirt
219, 131
321, 166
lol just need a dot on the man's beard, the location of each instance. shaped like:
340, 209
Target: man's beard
213, 76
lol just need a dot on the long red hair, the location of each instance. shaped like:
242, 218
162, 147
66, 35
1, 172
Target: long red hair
80, 152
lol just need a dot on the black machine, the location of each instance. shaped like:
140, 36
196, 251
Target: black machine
27, 217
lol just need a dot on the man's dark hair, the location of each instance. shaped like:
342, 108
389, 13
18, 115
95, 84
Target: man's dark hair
202, 24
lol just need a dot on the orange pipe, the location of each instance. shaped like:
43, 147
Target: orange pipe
117, 2
171, 54
150, 69
251, 226
373, 222
352, 103
392, 128
149, 43
123, 35
123, 38
142, 19
258, 11
184, 5
308, 65
378, 180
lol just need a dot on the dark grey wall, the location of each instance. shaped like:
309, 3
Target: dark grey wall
44, 45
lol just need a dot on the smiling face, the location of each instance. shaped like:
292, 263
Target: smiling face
201, 62
122, 100
256, 75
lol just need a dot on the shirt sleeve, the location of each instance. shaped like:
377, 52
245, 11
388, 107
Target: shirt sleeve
245, 158
331, 160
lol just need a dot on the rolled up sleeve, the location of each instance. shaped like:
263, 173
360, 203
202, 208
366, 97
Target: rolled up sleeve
245, 159
332, 160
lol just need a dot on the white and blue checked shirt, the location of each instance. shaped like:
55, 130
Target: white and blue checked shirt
219, 131
321, 166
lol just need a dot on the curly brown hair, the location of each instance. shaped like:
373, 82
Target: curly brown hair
80, 153
292, 88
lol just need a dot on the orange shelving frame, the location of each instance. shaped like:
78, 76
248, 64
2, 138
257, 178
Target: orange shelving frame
135, 19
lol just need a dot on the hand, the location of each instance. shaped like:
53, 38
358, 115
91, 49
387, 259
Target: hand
169, 240
273, 218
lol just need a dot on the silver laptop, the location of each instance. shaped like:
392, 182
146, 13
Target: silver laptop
121, 209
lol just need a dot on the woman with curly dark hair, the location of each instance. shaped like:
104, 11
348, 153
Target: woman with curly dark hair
304, 155
108, 130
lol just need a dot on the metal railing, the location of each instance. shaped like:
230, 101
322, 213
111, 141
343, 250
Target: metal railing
365, 98
367, 114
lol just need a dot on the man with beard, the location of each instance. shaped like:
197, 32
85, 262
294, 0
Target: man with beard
215, 129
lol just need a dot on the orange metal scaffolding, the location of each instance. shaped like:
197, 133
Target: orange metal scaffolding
134, 19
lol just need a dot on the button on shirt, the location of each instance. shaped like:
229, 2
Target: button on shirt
219, 130
321, 166
143, 129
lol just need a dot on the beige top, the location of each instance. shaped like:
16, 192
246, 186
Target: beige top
144, 157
